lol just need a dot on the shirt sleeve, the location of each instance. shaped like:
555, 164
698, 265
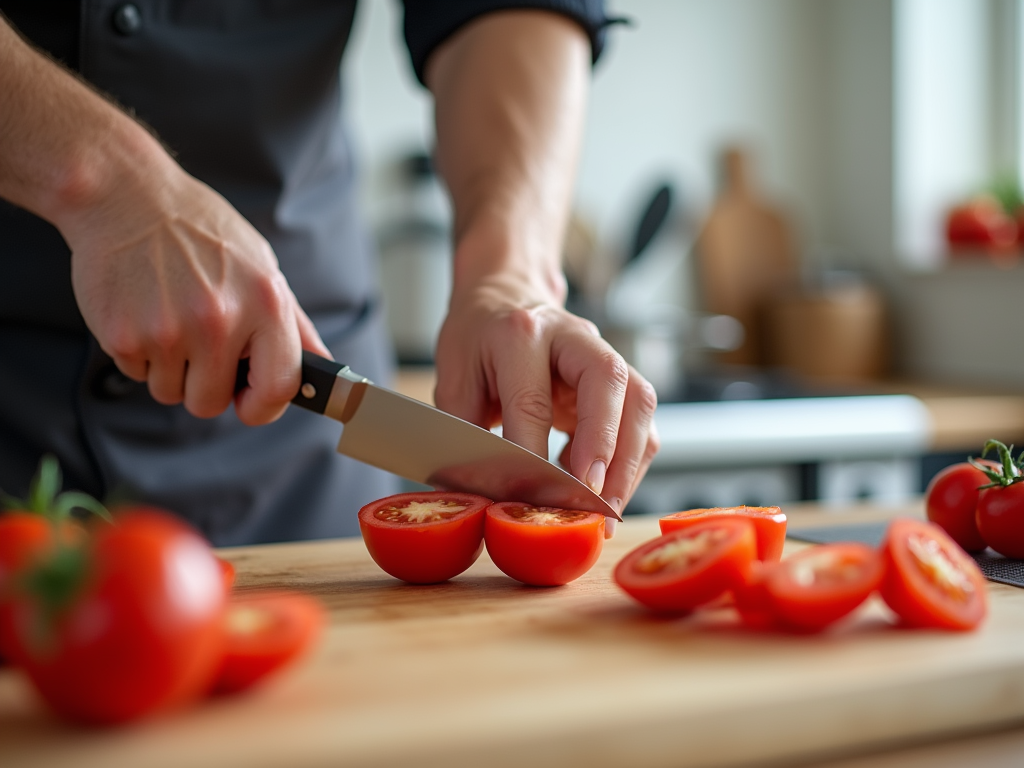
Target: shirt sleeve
428, 23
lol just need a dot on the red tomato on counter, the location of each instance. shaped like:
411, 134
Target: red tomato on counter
769, 526
542, 546
684, 569
1000, 519
263, 633
820, 585
951, 501
137, 631
928, 580
981, 223
424, 537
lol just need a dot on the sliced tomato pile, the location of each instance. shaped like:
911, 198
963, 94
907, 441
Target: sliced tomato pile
769, 525
919, 571
424, 537
542, 546
684, 569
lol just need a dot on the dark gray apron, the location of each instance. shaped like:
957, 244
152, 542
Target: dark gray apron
248, 97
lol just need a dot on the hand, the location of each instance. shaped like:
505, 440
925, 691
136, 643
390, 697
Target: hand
504, 358
177, 287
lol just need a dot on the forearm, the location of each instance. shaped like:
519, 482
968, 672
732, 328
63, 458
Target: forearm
510, 92
62, 145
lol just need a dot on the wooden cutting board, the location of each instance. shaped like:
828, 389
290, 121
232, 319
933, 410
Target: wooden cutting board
746, 256
482, 671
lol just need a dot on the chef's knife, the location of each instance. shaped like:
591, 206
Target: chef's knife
423, 444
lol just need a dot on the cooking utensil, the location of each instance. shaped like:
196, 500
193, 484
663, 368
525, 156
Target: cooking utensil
423, 444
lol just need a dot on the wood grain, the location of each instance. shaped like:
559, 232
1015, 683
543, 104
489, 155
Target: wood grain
482, 671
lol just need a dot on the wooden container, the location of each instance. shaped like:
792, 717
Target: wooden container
838, 334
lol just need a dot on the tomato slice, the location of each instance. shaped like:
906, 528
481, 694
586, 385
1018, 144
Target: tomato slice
769, 526
752, 600
542, 546
264, 632
929, 581
424, 537
691, 566
227, 571
820, 585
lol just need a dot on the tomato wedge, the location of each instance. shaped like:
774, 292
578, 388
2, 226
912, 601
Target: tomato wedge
689, 567
542, 546
264, 632
424, 537
929, 581
820, 585
769, 526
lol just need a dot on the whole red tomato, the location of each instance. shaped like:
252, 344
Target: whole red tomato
981, 223
951, 501
1000, 519
127, 624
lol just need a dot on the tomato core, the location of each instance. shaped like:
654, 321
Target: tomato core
936, 566
679, 554
431, 511
545, 515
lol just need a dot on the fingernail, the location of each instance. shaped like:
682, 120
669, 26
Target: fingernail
609, 527
595, 476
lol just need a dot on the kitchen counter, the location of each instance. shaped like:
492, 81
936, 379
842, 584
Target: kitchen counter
482, 671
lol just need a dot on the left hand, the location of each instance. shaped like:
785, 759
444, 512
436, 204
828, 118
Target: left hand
503, 357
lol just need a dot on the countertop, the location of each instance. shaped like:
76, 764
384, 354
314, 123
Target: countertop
483, 671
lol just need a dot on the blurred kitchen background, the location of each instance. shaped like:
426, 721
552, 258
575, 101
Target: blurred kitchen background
762, 226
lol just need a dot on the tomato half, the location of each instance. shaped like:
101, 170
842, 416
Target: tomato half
752, 600
227, 572
542, 546
141, 632
769, 526
928, 580
263, 633
424, 537
1000, 519
951, 501
686, 568
820, 585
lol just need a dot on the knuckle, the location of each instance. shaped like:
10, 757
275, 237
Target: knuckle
166, 334
533, 405
647, 397
272, 294
123, 344
524, 322
214, 318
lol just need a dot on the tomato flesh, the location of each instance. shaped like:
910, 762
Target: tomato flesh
686, 568
951, 502
142, 634
769, 526
929, 581
820, 585
424, 537
1000, 519
542, 546
263, 633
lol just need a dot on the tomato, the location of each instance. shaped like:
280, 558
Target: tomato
264, 632
769, 526
928, 580
424, 537
820, 585
951, 500
983, 223
227, 572
135, 626
542, 546
690, 567
1000, 519
752, 600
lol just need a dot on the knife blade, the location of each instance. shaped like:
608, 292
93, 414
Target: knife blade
426, 445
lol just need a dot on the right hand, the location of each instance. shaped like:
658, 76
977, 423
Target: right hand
177, 287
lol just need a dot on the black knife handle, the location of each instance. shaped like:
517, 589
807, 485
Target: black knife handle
318, 375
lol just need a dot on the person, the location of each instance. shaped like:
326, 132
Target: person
180, 194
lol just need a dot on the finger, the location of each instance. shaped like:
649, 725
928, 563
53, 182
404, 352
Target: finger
599, 376
522, 367
166, 378
210, 382
135, 368
309, 336
636, 444
274, 374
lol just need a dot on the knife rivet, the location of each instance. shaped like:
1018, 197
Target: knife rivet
308, 391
